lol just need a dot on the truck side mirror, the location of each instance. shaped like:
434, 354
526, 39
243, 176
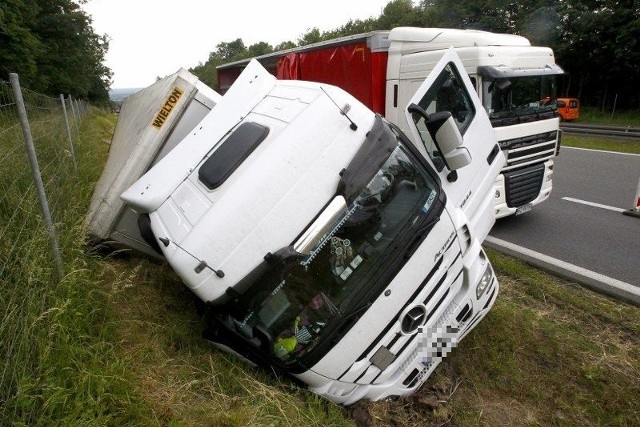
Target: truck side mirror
446, 135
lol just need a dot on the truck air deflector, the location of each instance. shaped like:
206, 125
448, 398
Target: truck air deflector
369, 158
230, 155
492, 72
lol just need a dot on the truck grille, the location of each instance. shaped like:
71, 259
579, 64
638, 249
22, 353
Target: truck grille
529, 150
372, 367
523, 185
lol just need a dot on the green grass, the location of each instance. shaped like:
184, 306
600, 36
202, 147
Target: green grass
59, 364
591, 115
618, 118
597, 143
117, 341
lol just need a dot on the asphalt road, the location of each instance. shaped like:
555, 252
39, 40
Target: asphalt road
582, 222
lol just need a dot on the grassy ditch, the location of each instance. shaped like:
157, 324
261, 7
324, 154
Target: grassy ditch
117, 341
59, 363
549, 353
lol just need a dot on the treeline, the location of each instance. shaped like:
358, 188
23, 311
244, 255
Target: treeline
595, 41
51, 45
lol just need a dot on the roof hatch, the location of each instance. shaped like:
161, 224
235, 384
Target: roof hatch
230, 155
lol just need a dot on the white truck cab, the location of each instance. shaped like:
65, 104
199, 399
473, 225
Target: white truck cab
328, 244
516, 83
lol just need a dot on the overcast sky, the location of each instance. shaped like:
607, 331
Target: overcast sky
152, 39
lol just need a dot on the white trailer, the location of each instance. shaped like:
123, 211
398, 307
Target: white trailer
151, 123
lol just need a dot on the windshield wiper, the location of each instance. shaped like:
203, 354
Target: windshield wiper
332, 307
348, 319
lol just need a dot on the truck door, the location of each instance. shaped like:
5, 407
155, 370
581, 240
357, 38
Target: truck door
450, 127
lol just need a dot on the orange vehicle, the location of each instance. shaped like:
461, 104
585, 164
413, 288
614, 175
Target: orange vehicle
568, 109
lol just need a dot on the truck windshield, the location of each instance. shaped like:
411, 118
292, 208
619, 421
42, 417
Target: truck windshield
524, 98
295, 303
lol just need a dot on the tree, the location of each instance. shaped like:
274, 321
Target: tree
284, 46
504, 16
596, 41
311, 36
258, 49
51, 45
231, 51
600, 49
72, 62
19, 47
399, 13
206, 73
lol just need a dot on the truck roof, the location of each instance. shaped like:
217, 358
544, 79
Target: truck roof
279, 182
414, 38
377, 41
278, 189
426, 39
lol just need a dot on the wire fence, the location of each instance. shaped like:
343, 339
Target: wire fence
37, 135
37, 167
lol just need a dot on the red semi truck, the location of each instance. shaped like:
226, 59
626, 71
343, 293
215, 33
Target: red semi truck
516, 83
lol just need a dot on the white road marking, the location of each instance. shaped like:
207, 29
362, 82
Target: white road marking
597, 281
595, 205
600, 151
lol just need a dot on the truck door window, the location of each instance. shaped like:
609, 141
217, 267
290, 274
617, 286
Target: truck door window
447, 93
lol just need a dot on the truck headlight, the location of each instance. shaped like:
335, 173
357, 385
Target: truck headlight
484, 282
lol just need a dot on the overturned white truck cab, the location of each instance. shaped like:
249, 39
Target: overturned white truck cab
326, 242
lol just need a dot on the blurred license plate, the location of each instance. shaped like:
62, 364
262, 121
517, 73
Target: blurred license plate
523, 209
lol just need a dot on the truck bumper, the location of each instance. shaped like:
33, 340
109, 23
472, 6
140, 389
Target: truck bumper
430, 344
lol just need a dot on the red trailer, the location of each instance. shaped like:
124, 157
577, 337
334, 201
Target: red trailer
357, 64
